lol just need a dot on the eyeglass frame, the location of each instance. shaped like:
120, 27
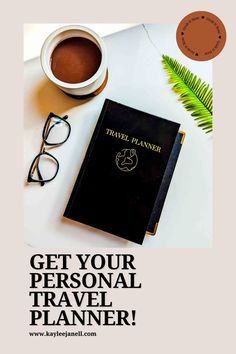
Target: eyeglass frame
44, 152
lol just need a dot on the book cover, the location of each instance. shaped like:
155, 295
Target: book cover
122, 172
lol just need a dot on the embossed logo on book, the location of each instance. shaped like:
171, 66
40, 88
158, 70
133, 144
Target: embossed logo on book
126, 160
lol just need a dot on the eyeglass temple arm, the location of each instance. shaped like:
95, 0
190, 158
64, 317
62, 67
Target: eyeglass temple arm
42, 149
40, 176
37, 166
51, 114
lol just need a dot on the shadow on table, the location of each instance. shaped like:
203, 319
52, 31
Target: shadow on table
49, 98
76, 227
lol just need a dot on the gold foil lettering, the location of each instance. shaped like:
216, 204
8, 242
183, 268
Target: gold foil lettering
134, 140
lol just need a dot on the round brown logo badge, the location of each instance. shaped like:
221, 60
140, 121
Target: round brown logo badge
201, 35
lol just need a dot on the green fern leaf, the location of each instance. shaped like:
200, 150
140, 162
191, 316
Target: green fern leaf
195, 94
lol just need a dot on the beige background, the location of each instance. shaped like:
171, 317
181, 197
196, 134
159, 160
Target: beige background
187, 304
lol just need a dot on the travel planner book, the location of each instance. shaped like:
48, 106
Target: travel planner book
126, 173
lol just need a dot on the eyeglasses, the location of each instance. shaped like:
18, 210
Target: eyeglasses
45, 166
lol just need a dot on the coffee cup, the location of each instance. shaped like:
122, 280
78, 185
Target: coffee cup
74, 58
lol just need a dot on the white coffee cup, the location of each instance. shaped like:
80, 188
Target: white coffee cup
94, 83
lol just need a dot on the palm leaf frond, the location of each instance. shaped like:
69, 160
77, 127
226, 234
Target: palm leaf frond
195, 94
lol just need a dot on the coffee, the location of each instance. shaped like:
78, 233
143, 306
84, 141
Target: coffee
75, 60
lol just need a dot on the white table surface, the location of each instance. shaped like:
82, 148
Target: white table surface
137, 79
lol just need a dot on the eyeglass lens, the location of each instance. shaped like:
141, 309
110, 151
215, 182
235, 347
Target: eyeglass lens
45, 168
57, 131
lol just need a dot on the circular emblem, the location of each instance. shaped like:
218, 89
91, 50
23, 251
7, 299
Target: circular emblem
201, 35
126, 160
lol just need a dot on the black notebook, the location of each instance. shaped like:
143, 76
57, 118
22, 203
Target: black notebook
125, 175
